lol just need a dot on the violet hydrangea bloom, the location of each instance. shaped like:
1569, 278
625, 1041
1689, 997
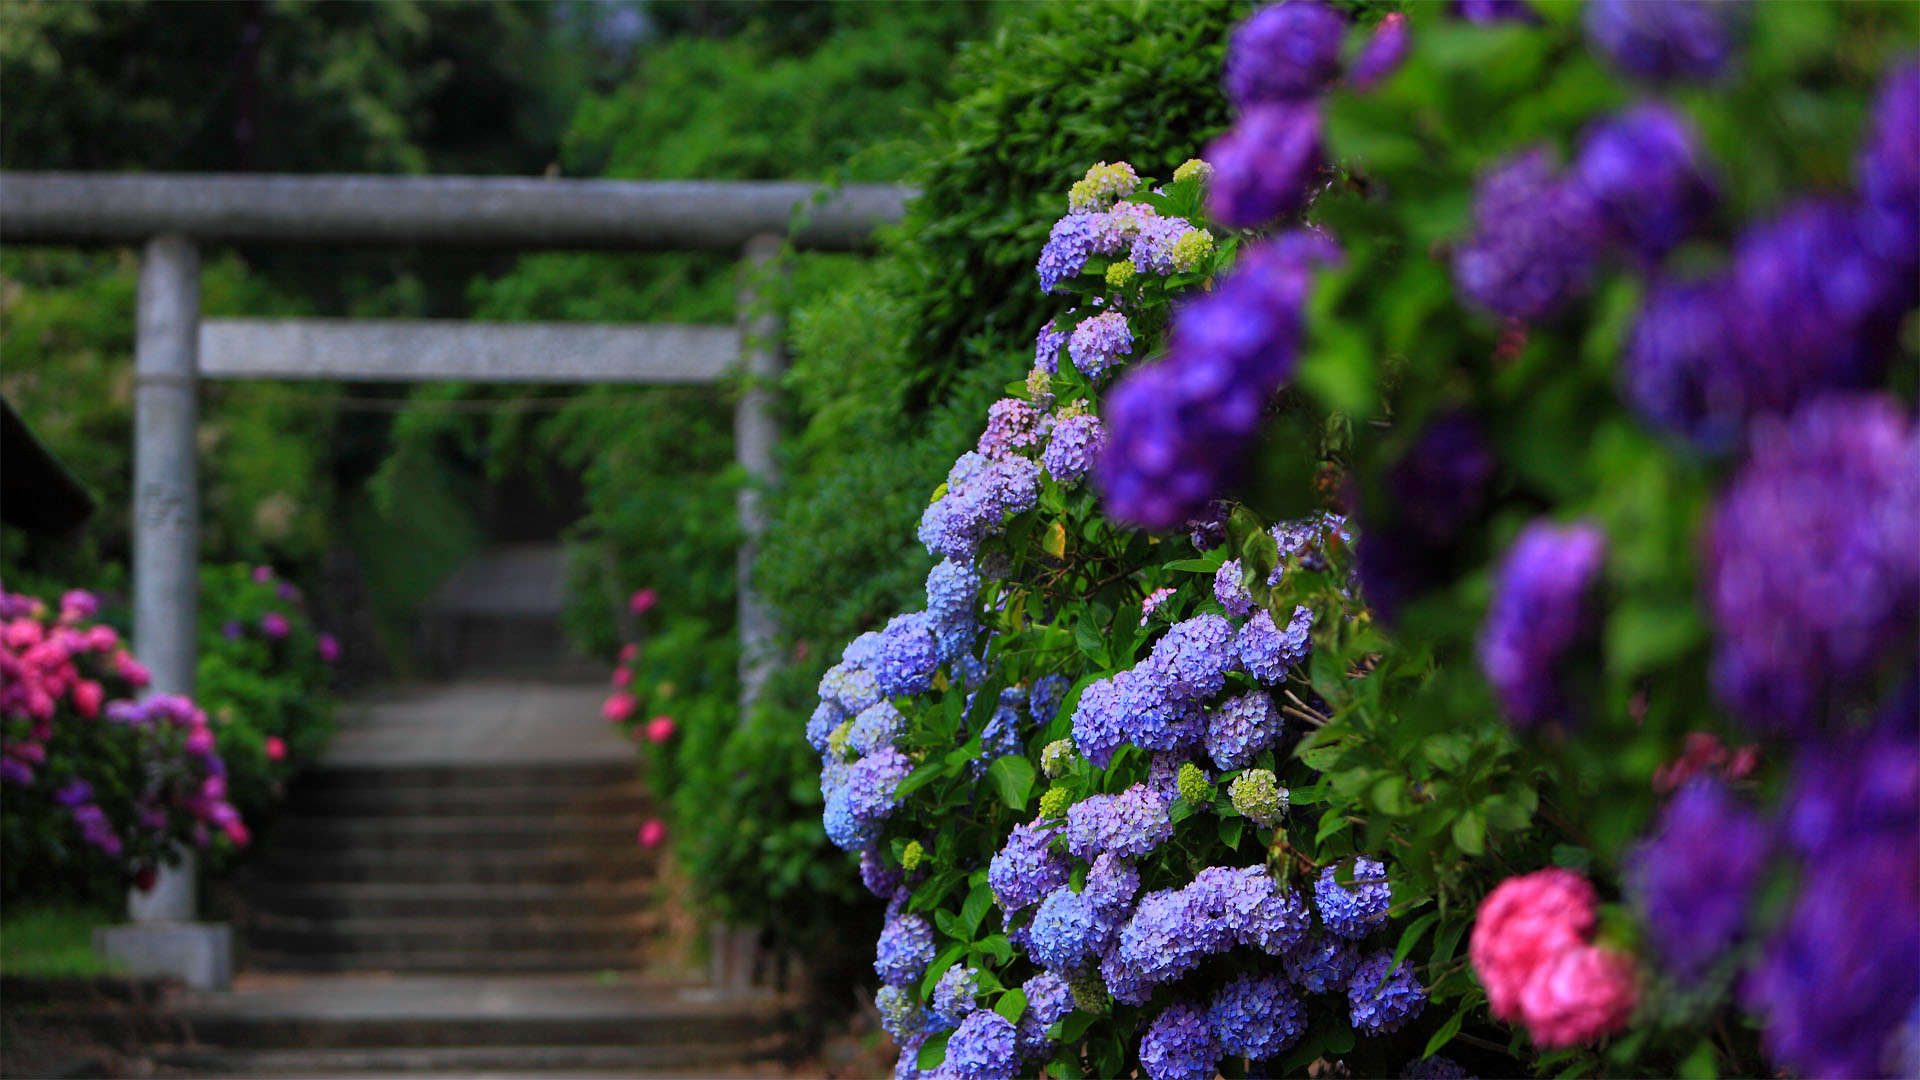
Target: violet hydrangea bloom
1063, 931
1534, 243
1861, 786
1810, 573
1154, 712
1133, 822
1111, 884
1068, 245
1383, 53
1284, 52
1230, 591
1354, 911
1680, 369
1197, 654
1070, 453
1026, 869
982, 1048
905, 949
1265, 166
1322, 965
1098, 344
1044, 698
1693, 877
1256, 1016
1383, 996
1242, 727
879, 878
1644, 177
957, 993
908, 656
1488, 12
1267, 651
1540, 611
1669, 40
1180, 1044
856, 807
1097, 730
1889, 169
1049, 999
1046, 347
1013, 424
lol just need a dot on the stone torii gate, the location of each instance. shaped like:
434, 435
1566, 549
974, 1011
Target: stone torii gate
173, 215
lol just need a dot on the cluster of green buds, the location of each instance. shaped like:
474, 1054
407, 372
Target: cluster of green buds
1102, 184
1258, 796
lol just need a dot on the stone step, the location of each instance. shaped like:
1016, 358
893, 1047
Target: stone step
532, 800
729, 1059
435, 835
393, 936
346, 776
569, 864
337, 900
446, 962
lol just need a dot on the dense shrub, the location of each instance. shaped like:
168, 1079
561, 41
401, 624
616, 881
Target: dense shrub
100, 790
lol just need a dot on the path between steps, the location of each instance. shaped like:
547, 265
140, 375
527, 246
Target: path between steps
477, 722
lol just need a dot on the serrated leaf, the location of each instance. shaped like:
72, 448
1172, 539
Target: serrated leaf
996, 946
920, 777
933, 1052
1012, 779
1012, 1005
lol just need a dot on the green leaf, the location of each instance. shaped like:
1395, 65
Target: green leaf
1011, 1005
1470, 832
996, 946
1339, 1039
933, 1052
920, 777
1643, 635
1196, 566
940, 965
1700, 1065
1331, 822
1411, 936
1012, 778
1445, 1033
1230, 829
1088, 638
979, 901
950, 925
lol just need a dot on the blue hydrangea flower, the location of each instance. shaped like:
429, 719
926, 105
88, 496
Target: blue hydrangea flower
1026, 869
980, 493
826, 716
1097, 730
857, 806
1284, 52
1889, 170
879, 725
1121, 979
1180, 1045
1069, 243
1680, 369
905, 949
982, 1048
1673, 39
1382, 996
1256, 1016
1111, 885
1693, 878
1013, 425
1197, 654
1266, 165
1322, 965
1208, 529
1267, 652
1099, 343
1044, 699
1171, 931
850, 687
1049, 999
1003, 733
1242, 727
1539, 612
900, 1014
1133, 822
1076, 441
862, 651
1063, 931
1645, 180
1047, 344
1356, 911
953, 589
907, 656
1153, 713
1230, 591
1535, 240
957, 993
879, 878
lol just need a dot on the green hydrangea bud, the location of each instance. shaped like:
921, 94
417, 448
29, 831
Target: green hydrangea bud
1191, 247
1054, 802
837, 740
1089, 991
1102, 184
1195, 787
1040, 387
1056, 758
1120, 273
1257, 795
1193, 169
911, 855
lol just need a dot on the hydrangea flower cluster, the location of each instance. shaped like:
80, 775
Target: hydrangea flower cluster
1540, 611
1100, 222
1531, 948
1354, 911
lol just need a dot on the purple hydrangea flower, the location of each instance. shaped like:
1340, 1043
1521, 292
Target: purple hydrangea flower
1810, 574
1383, 53
952, 590
1382, 996
980, 494
1488, 12
1112, 883
1046, 347
1208, 529
1354, 912
1540, 611
982, 1048
1133, 822
908, 656
1268, 652
1644, 177
1068, 245
1098, 344
856, 807
1180, 1044
879, 878
1322, 965
1864, 785
1693, 878
1284, 52
1441, 483
1681, 370
1889, 170
73, 793
1097, 730
848, 688
1044, 699
1171, 931
1013, 424
1256, 1016
1181, 427
1230, 591
1026, 869
1002, 734
1672, 39
905, 949
877, 726
957, 993
1265, 166
1076, 441
1049, 999
1197, 654
1433, 1068
1242, 727
1153, 712
1534, 242
1063, 931
900, 1014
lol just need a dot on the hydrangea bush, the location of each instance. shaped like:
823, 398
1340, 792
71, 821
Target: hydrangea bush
1511, 413
97, 783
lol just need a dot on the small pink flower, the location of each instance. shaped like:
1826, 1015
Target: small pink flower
652, 832
23, 632
1578, 996
237, 832
132, 671
328, 647
274, 624
102, 638
1153, 601
87, 696
642, 601
622, 677
276, 748
629, 653
200, 741
660, 729
618, 707
263, 574
1522, 924
78, 604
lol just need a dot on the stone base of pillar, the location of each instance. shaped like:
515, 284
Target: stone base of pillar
198, 954
733, 956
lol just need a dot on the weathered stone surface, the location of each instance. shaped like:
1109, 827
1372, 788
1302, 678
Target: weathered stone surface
199, 954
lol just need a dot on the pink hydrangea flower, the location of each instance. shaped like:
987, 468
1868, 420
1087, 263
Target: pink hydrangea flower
1579, 995
652, 832
276, 748
132, 671
102, 638
263, 574
642, 601
1523, 923
275, 625
1154, 600
629, 653
78, 604
619, 707
660, 729
328, 647
87, 696
622, 677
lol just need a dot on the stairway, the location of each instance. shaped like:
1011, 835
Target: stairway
453, 868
